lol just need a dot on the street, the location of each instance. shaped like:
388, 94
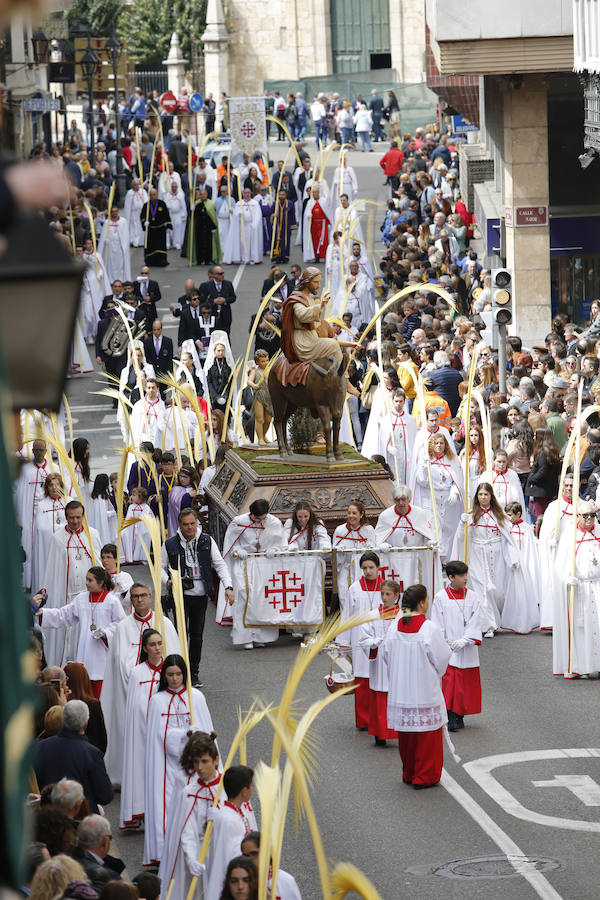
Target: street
474, 834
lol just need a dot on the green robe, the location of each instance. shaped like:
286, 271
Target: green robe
189, 249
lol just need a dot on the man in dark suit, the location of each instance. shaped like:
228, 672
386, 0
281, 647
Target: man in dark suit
286, 288
221, 294
159, 350
69, 754
117, 294
145, 314
189, 326
91, 852
113, 364
145, 285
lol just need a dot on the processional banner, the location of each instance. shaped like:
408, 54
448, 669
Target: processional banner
248, 126
283, 591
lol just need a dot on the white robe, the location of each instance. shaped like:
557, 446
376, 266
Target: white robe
459, 617
309, 251
132, 536
416, 663
165, 179
94, 287
507, 487
116, 254
173, 424
254, 537
345, 538
547, 548
379, 441
67, 564
320, 538
349, 186
186, 824
244, 241
419, 447
102, 516
370, 636
141, 687
521, 612
49, 518
81, 362
576, 626
333, 269
412, 530
168, 724
85, 613
178, 210
29, 493
355, 298
123, 582
446, 478
230, 826
123, 655
134, 201
147, 420
492, 553
224, 207
359, 602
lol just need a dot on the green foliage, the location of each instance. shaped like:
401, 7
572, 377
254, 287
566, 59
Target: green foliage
100, 16
303, 430
147, 26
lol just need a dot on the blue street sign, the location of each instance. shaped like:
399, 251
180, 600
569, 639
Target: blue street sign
460, 125
195, 102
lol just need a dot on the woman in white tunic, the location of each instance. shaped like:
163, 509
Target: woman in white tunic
576, 632
134, 201
100, 512
97, 612
477, 461
304, 531
142, 685
132, 376
49, 517
492, 553
521, 612
168, 724
395, 436
505, 481
176, 203
353, 534
446, 477
254, 532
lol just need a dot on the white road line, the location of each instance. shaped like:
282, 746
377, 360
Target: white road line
514, 854
101, 407
480, 771
238, 276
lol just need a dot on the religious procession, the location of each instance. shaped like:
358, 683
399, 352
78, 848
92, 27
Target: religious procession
313, 488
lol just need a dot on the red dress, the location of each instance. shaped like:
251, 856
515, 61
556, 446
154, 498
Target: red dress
319, 230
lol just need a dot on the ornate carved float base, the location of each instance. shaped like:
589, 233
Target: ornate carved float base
249, 473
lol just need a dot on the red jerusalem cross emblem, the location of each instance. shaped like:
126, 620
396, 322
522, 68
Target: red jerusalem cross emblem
288, 587
248, 128
387, 572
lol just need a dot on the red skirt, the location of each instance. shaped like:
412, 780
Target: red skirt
361, 703
422, 754
462, 690
378, 725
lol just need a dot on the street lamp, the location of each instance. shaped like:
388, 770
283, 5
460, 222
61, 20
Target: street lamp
114, 49
89, 66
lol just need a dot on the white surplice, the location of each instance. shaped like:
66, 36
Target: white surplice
411, 530
345, 538
521, 612
117, 255
507, 487
244, 241
134, 201
459, 617
133, 535
141, 687
29, 493
50, 517
102, 516
576, 626
446, 479
147, 418
398, 452
560, 513
230, 826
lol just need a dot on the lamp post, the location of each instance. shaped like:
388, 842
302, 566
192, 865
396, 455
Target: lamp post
89, 66
114, 48
40, 46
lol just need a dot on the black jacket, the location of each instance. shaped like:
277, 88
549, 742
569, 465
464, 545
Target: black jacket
70, 755
153, 289
163, 363
222, 311
188, 327
543, 478
145, 315
98, 873
218, 383
285, 290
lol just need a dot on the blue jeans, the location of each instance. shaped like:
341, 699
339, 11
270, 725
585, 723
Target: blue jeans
346, 135
320, 131
364, 139
377, 129
301, 126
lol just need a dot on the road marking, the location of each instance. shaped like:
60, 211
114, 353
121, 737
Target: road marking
238, 276
584, 787
514, 854
101, 407
480, 771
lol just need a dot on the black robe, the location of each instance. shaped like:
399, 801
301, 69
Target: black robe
217, 378
159, 217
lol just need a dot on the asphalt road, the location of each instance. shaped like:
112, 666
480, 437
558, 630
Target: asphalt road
478, 833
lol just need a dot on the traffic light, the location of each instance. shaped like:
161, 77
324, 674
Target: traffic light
502, 296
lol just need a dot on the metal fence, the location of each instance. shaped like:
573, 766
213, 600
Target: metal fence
149, 80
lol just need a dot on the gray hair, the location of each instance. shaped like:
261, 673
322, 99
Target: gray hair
67, 794
92, 830
75, 715
402, 492
441, 358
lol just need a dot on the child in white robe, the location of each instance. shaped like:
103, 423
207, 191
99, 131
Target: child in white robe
132, 536
305, 532
97, 612
363, 597
101, 513
521, 612
168, 725
287, 889
371, 636
505, 481
141, 687
231, 823
122, 580
187, 821
458, 613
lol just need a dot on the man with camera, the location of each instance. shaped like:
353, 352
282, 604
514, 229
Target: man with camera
195, 555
